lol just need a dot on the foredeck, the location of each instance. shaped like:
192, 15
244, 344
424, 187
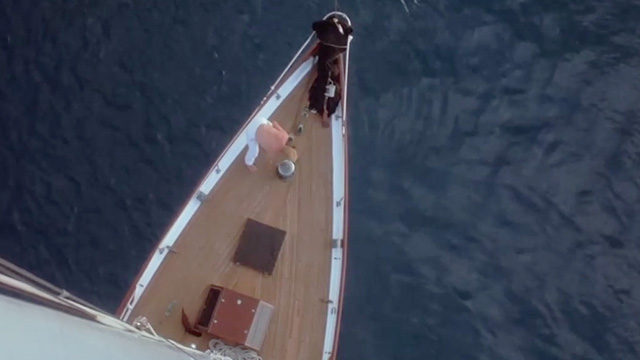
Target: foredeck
299, 285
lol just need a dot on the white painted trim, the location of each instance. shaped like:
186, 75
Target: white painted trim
338, 133
338, 153
334, 301
216, 173
337, 144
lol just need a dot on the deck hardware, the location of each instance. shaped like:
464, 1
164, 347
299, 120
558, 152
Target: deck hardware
336, 243
339, 202
285, 170
170, 308
278, 96
217, 169
201, 196
165, 248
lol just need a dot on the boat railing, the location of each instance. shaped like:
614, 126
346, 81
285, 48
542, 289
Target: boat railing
12, 271
286, 70
339, 13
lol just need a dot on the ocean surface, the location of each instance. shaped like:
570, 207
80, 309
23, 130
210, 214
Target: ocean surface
494, 171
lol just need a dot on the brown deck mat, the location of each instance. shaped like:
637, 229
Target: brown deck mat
259, 246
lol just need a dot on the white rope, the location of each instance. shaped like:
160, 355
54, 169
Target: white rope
217, 347
289, 66
142, 323
215, 356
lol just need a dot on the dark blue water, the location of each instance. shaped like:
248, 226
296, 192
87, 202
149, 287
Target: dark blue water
494, 163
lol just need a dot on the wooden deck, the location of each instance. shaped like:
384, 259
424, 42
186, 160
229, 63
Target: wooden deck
299, 286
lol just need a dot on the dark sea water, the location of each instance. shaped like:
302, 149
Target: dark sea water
495, 158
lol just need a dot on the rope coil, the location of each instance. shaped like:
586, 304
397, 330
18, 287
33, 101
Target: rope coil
218, 348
